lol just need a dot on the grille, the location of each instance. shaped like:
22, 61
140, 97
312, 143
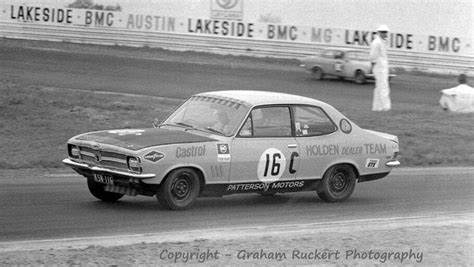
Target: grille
102, 158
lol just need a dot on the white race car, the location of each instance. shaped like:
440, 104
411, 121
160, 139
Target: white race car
341, 63
227, 142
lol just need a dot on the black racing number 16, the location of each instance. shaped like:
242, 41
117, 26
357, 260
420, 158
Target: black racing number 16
275, 169
275, 165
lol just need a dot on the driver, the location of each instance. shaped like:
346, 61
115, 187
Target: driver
222, 123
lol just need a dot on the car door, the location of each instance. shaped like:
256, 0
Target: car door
317, 139
349, 62
353, 63
332, 62
265, 149
327, 62
338, 64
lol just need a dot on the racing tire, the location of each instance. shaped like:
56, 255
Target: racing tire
360, 77
317, 73
337, 184
98, 191
180, 189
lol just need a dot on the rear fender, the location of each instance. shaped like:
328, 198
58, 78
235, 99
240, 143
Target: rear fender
349, 162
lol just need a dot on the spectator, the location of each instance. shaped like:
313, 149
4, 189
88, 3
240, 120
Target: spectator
380, 69
459, 98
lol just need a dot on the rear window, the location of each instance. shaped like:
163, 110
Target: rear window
311, 121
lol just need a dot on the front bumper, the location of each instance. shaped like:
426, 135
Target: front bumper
90, 168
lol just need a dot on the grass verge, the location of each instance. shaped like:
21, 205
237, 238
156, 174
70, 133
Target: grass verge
36, 123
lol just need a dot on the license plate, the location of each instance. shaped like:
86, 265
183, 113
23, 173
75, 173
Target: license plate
103, 178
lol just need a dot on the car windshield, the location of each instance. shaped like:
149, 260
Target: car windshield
219, 116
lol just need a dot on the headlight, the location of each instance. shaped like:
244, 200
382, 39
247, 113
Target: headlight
134, 164
74, 151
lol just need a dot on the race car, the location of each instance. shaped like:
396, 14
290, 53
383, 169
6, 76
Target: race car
227, 142
342, 63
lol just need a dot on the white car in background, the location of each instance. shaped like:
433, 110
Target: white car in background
342, 63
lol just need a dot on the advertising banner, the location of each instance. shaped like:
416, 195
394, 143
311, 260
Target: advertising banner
239, 19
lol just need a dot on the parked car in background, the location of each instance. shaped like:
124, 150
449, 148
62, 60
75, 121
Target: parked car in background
229, 142
342, 63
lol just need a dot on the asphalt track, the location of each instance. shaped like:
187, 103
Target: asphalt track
177, 78
44, 206
52, 206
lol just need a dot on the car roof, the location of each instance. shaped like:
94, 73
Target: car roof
256, 98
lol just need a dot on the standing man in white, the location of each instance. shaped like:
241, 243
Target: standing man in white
380, 69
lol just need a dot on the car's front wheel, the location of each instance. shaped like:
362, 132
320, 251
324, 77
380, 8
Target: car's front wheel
338, 184
180, 190
360, 77
98, 191
317, 73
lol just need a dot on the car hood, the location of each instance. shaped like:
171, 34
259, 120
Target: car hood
136, 139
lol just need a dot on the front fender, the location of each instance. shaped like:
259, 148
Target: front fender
165, 172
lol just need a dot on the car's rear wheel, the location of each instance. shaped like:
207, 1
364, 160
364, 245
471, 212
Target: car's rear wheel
360, 77
180, 190
317, 73
338, 183
98, 191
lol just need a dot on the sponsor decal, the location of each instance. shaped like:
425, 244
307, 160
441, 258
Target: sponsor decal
271, 165
335, 150
348, 150
154, 156
372, 163
223, 153
127, 132
322, 150
265, 186
96, 145
191, 151
345, 126
375, 149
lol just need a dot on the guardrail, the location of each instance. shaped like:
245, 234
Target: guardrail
110, 36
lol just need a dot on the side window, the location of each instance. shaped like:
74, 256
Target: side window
328, 54
247, 128
310, 121
267, 122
